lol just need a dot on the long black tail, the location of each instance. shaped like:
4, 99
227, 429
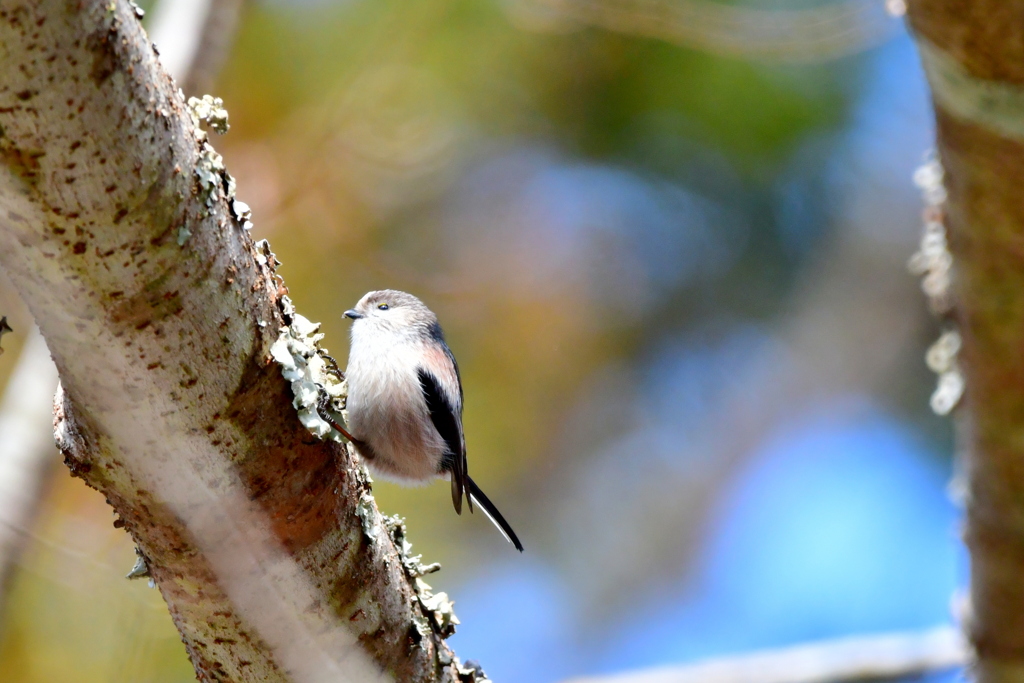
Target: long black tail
492, 513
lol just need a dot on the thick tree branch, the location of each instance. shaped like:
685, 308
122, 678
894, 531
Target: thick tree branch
116, 228
195, 36
973, 53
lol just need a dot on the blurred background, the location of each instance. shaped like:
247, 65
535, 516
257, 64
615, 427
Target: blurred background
667, 241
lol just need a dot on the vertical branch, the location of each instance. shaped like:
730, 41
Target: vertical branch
973, 54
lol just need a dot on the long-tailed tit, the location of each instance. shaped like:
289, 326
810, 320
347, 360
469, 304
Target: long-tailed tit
405, 399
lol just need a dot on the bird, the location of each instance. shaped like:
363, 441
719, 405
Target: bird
404, 405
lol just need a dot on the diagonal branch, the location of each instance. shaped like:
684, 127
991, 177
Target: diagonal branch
26, 414
193, 37
116, 227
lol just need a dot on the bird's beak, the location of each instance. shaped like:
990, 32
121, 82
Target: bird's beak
354, 314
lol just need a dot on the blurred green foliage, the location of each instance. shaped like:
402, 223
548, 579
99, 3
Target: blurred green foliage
351, 123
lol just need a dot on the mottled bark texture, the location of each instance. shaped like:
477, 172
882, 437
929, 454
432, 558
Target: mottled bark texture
160, 312
973, 52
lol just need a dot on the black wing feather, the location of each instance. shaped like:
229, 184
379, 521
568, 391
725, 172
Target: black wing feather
448, 423
462, 402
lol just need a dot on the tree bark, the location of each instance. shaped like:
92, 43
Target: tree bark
116, 227
195, 37
973, 53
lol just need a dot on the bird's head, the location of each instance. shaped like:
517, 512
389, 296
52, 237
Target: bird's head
394, 311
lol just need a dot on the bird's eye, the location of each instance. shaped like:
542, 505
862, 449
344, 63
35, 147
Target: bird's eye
383, 307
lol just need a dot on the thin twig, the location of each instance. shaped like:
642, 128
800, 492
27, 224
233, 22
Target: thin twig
814, 33
866, 658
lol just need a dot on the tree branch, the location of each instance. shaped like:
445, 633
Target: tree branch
868, 658
193, 37
973, 54
824, 31
26, 413
116, 228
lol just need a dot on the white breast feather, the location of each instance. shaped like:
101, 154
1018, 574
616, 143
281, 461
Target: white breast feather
386, 407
